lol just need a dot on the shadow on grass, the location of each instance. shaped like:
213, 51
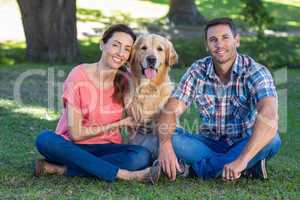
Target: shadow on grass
30, 87
18, 132
285, 16
274, 52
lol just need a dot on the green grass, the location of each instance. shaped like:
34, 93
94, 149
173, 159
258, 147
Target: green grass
20, 124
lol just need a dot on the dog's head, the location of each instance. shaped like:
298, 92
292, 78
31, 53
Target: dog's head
152, 54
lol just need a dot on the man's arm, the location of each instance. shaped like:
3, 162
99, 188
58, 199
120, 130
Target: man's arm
264, 130
166, 126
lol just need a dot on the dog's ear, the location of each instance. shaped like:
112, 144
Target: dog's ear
133, 50
171, 55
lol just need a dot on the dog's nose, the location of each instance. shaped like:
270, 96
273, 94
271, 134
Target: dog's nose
151, 60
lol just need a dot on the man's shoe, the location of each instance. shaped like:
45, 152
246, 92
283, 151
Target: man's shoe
258, 171
185, 170
183, 173
155, 172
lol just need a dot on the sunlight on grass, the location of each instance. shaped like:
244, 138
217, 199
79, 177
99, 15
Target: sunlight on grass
37, 112
33, 111
91, 40
286, 2
8, 104
293, 23
136, 9
85, 15
9, 56
13, 44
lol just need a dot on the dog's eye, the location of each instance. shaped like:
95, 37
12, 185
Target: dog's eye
159, 49
144, 48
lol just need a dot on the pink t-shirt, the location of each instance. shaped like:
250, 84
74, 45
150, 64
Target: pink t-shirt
95, 104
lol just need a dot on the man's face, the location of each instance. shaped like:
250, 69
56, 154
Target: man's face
222, 44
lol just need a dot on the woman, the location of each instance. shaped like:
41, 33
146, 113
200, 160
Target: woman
87, 140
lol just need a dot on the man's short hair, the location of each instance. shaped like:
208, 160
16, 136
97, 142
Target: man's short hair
224, 20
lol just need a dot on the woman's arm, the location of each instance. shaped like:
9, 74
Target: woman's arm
79, 132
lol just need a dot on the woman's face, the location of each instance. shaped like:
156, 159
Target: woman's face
116, 51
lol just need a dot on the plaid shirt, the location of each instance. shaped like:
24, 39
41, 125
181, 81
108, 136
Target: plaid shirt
227, 111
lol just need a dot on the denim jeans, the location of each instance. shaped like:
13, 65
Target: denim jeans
208, 157
149, 141
100, 160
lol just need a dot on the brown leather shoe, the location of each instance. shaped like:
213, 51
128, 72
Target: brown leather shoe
154, 173
44, 167
39, 167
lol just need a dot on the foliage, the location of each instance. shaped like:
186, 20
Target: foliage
286, 13
271, 51
256, 14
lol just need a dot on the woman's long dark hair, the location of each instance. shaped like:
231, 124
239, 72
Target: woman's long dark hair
121, 82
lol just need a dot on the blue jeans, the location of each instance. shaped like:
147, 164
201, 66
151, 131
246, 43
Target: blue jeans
100, 160
208, 157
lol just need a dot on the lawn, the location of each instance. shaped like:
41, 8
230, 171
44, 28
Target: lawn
20, 124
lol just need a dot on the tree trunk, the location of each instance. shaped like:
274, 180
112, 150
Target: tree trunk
50, 29
184, 12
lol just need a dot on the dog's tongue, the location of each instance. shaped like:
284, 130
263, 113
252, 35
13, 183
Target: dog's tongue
150, 73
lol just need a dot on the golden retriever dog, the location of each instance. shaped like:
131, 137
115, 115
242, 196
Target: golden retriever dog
150, 85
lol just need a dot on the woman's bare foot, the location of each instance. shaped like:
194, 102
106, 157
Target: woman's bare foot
42, 166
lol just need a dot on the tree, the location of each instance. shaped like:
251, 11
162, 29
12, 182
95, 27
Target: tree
50, 29
184, 12
257, 16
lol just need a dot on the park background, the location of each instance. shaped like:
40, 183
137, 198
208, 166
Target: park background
33, 68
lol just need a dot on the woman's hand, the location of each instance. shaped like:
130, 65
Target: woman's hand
131, 126
128, 122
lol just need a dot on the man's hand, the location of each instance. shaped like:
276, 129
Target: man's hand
264, 129
166, 126
168, 160
232, 171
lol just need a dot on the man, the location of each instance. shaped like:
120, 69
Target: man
237, 103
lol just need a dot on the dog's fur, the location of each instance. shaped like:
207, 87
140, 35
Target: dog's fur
149, 91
